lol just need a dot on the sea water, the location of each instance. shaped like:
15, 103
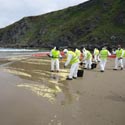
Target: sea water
10, 52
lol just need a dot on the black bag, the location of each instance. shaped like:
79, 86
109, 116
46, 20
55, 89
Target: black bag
93, 66
80, 72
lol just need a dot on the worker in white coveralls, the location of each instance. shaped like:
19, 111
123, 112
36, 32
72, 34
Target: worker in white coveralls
96, 55
74, 61
87, 58
78, 53
55, 55
119, 58
104, 53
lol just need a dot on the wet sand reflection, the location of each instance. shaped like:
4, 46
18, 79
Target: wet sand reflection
41, 81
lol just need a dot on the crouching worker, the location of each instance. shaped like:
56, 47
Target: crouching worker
55, 55
74, 61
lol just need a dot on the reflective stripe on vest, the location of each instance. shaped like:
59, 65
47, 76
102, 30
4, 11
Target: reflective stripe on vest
74, 57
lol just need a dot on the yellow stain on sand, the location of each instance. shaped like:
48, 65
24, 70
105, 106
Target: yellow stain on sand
42, 90
17, 72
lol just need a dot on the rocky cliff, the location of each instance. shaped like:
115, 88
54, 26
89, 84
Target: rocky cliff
96, 22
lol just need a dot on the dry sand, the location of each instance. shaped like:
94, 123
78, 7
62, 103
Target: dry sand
31, 95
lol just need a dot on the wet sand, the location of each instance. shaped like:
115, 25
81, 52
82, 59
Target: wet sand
31, 95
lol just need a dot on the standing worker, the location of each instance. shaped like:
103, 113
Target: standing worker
74, 61
87, 58
96, 55
119, 58
55, 55
84, 54
104, 53
78, 53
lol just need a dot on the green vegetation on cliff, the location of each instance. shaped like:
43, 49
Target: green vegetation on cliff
95, 22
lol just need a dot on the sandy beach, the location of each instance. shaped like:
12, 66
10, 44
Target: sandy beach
31, 95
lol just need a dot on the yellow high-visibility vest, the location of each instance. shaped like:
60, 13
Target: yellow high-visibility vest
119, 53
104, 54
124, 54
78, 53
88, 54
55, 54
96, 51
74, 57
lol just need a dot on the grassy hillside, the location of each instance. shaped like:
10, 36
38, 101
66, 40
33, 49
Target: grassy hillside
95, 22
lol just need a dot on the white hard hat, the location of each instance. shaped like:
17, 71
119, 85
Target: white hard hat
65, 50
54, 47
104, 47
84, 49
